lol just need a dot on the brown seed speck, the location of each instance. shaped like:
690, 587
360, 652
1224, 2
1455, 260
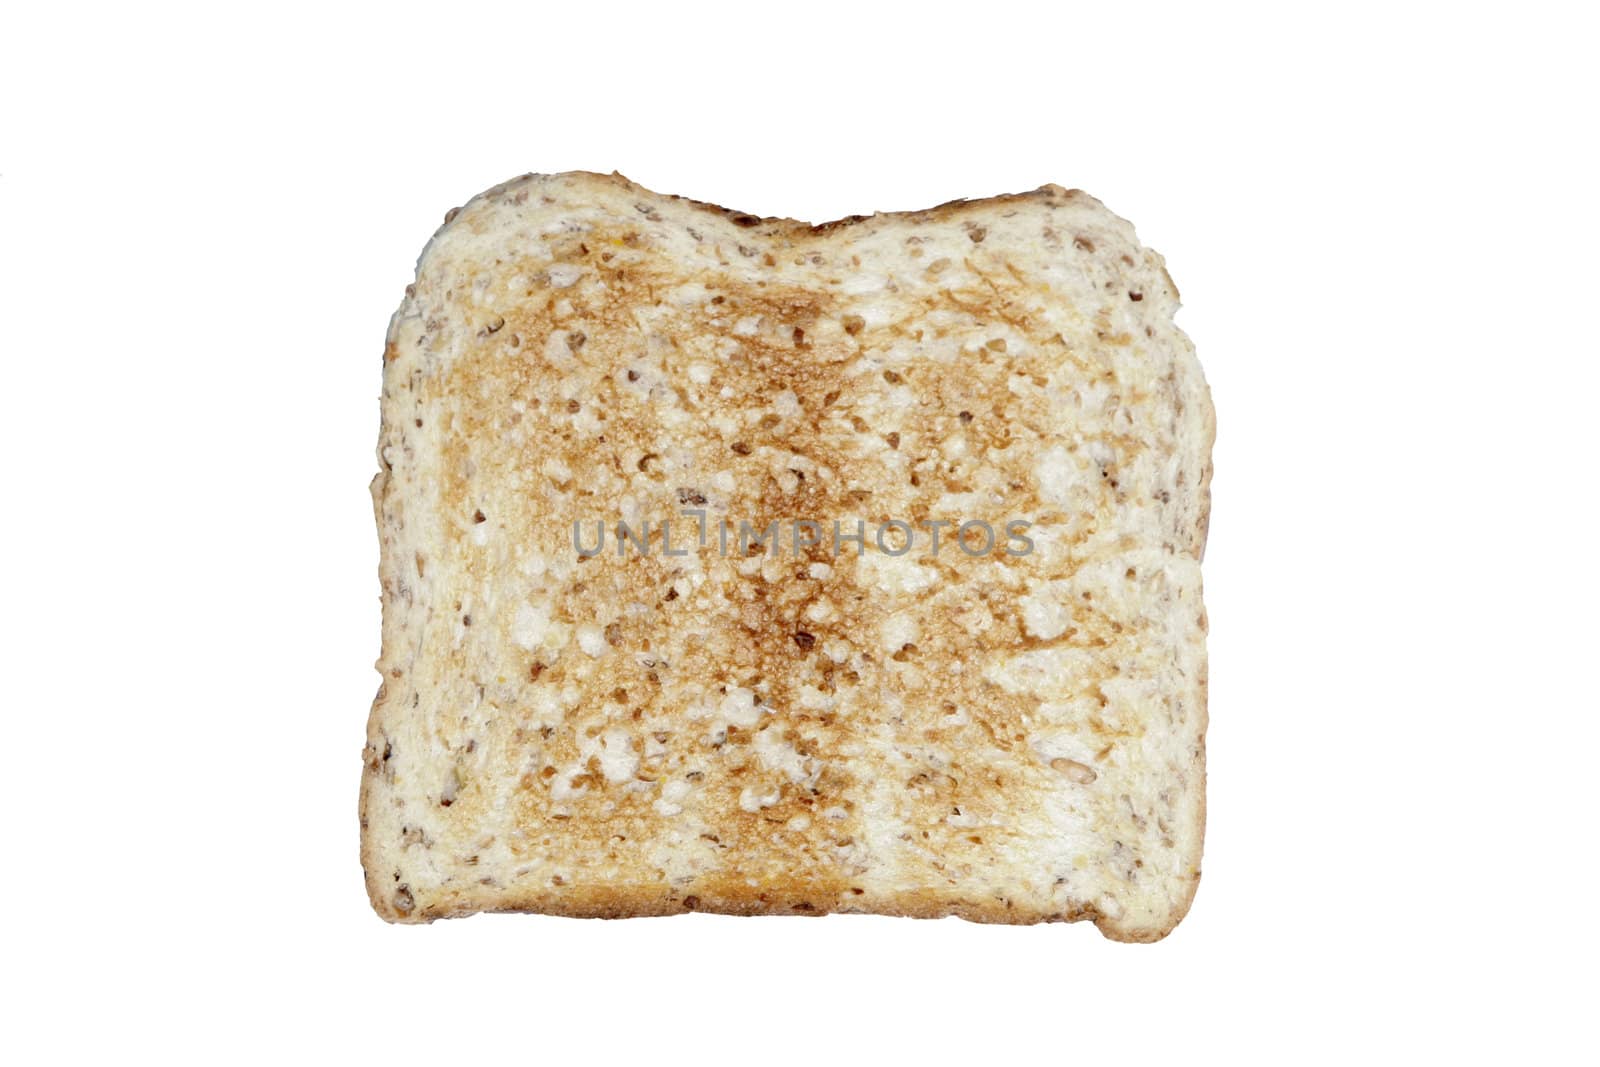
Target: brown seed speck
853, 324
1083, 244
572, 407
1135, 296
804, 640
479, 516
1080, 773
741, 448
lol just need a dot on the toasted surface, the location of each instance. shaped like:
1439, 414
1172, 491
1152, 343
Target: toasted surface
1005, 737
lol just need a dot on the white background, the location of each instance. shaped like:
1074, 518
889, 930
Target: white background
1384, 225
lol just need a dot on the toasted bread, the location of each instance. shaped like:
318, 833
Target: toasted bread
837, 720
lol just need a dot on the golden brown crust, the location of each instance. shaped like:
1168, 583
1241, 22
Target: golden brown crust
625, 902
777, 225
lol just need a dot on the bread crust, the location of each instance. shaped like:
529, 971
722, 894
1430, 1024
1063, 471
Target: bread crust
396, 893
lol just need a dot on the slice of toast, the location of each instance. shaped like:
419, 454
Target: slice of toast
832, 713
